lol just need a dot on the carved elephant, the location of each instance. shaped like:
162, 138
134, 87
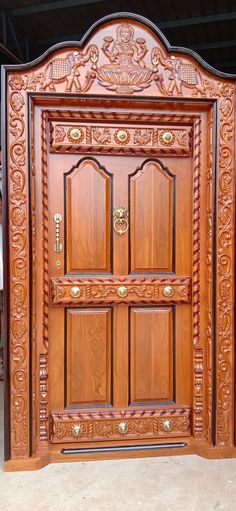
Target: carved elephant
181, 73
66, 69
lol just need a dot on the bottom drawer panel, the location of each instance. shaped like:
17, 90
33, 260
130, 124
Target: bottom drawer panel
120, 425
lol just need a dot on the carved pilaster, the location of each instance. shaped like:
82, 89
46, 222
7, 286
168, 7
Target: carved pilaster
225, 265
19, 271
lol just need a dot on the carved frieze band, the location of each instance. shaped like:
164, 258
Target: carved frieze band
123, 425
122, 290
120, 139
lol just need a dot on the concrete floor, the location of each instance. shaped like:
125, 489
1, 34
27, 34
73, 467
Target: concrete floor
158, 484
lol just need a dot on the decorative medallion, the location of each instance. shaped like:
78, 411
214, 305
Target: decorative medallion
122, 136
75, 135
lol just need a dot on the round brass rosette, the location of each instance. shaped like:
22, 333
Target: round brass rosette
122, 136
75, 135
167, 137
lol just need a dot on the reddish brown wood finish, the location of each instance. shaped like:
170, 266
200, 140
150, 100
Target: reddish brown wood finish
100, 355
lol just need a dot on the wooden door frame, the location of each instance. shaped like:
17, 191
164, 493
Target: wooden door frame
19, 82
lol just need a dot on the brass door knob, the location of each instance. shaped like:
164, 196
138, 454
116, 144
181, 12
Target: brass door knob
168, 291
167, 425
123, 427
122, 291
75, 292
76, 430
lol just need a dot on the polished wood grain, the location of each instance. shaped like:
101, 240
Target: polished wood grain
88, 213
151, 354
152, 209
88, 340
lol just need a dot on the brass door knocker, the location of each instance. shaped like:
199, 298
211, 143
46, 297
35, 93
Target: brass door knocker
120, 220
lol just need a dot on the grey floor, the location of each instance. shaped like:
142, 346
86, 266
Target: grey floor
162, 484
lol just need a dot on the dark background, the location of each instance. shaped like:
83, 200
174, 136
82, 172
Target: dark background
29, 27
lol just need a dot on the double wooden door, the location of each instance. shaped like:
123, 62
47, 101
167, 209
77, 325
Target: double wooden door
121, 226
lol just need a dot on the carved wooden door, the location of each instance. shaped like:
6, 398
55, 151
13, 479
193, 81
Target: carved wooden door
120, 266
119, 251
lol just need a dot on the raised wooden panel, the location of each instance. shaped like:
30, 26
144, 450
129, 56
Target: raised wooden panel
88, 213
152, 219
88, 374
151, 354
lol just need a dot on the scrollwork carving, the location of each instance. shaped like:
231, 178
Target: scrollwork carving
224, 269
106, 290
19, 274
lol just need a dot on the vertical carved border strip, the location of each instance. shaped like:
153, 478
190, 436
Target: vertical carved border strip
33, 277
43, 357
197, 346
19, 271
209, 262
225, 281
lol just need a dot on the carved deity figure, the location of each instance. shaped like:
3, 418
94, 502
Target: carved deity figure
125, 52
127, 71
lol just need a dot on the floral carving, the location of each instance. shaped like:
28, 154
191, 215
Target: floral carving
19, 275
16, 82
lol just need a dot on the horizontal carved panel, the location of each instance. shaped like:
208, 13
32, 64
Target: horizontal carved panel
120, 425
119, 138
64, 291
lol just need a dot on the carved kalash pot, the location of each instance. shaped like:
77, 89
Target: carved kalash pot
127, 70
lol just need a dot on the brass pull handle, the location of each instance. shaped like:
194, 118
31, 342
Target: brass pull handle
120, 220
57, 219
